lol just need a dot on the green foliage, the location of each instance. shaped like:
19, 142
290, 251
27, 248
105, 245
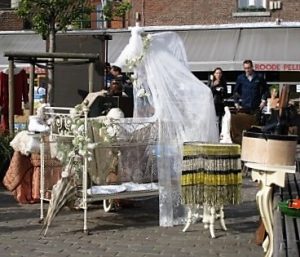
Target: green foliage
275, 87
5, 148
52, 15
116, 9
6, 151
83, 22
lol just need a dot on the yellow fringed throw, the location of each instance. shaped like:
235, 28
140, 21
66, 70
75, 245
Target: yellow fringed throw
211, 174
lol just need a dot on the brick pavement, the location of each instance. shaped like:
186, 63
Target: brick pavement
132, 232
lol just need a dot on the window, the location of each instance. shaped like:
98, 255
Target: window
99, 16
252, 8
254, 5
5, 4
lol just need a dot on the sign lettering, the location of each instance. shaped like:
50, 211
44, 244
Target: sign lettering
276, 67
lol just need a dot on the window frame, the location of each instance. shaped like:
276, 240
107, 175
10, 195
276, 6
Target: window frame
252, 8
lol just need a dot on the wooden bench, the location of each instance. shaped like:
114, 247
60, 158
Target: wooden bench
286, 228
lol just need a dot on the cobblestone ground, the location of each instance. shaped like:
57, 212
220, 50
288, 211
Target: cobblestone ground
132, 232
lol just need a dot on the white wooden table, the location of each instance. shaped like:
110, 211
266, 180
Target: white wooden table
211, 178
268, 175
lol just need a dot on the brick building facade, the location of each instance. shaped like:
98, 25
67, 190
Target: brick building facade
205, 12
9, 20
184, 12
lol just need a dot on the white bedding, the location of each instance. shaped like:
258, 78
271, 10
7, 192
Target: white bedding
129, 187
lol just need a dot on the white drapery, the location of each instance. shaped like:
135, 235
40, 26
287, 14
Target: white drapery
182, 105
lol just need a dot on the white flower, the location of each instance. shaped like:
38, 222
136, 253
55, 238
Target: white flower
70, 154
111, 131
82, 152
92, 146
149, 37
65, 174
133, 76
80, 129
134, 83
107, 121
105, 139
142, 93
49, 121
60, 155
73, 112
73, 127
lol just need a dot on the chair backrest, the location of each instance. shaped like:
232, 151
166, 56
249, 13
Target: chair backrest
100, 104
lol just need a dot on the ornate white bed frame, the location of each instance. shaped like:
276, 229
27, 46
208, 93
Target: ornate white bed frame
61, 128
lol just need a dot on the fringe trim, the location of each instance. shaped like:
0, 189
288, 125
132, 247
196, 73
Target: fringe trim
211, 179
211, 174
211, 195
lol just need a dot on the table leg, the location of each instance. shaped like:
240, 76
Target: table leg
222, 220
264, 201
210, 214
212, 221
189, 220
193, 216
42, 178
206, 216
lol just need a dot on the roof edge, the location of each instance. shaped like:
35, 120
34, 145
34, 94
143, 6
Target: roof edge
176, 28
204, 27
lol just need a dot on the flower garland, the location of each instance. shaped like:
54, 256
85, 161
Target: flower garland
82, 146
81, 140
133, 63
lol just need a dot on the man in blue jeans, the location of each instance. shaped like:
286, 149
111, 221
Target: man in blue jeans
250, 94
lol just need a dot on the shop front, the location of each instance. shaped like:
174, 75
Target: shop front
274, 49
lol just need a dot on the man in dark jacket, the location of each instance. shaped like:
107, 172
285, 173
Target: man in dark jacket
250, 93
251, 89
123, 79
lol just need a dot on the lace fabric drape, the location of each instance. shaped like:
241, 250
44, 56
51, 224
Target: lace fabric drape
129, 154
181, 104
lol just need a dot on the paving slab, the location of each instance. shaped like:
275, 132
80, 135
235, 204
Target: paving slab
129, 232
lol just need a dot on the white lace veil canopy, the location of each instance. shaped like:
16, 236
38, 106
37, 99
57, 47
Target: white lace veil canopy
166, 90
